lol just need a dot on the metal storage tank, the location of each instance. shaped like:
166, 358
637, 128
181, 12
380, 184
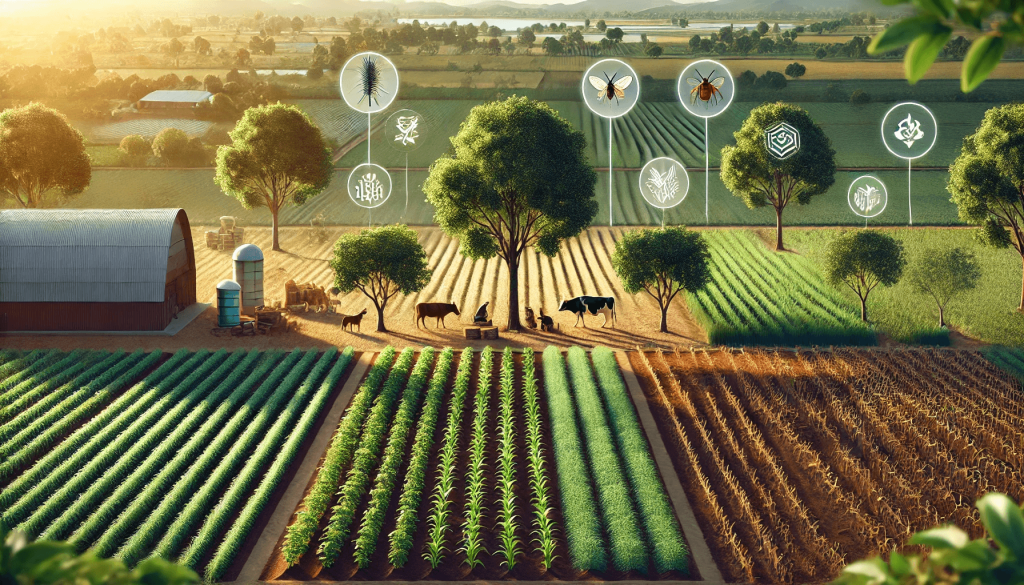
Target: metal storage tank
249, 275
228, 296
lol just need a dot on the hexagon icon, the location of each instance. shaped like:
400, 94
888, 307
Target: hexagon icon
782, 140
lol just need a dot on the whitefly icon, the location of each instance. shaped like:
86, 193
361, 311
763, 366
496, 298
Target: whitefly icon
909, 131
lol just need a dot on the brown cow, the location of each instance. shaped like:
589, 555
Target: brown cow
437, 310
353, 320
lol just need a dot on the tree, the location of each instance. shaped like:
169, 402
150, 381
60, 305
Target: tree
602, 26
277, 157
552, 46
760, 179
243, 58
175, 49
770, 80
527, 37
820, 53
998, 23
944, 273
684, 22
519, 176
213, 84
695, 43
795, 70
862, 260
744, 44
202, 46
654, 50
614, 34
987, 179
174, 148
297, 24
40, 152
859, 97
662, 263
586, 24
381, 263
762, 28
134, 149
746, 79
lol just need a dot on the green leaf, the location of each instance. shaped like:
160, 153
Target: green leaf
940, 8
902, 33
894, 2
968, 16
923, 51
874, 570
1004, 521
899, 565
944, 537
981, 59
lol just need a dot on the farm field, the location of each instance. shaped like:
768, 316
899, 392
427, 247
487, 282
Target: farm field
989, 312
797, 463
1010, 359
156, 454
455, 476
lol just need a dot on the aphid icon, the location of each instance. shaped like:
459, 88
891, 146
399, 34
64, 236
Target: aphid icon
705, 88
609, 88
369, 81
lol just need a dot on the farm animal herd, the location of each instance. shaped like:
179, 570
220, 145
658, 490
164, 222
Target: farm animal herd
579, 306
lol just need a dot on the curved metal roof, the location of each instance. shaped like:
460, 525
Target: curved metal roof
247, 253
85, 255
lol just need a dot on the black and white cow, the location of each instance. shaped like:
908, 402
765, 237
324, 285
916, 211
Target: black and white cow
593, 305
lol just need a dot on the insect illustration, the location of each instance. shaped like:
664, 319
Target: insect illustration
867, 198
369, 80
608, 88
705, 88
663, 186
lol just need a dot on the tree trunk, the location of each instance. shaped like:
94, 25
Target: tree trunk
1021, 307
277, 246
778, 231
664, 319
864, 309
513, 294
380, 319
942, 316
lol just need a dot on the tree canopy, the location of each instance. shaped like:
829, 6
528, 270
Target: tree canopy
662, 263
518, 176
40, 153
987, 179
277, 157
760, 179
944, 273
862, 260
381, 263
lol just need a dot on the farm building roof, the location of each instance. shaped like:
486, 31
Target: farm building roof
193, 96
86, 255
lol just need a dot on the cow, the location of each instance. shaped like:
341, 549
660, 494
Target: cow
593, 305
437, 310
531, 320
481, 313
354, 320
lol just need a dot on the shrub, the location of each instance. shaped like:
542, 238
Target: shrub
134, 149
859, 96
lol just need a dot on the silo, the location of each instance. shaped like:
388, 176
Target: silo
249, 275
228, 296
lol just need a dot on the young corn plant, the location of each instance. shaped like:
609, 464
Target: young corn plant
507, 521
544, 526
437, 521
476, 484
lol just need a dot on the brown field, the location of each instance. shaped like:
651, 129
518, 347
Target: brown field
796, 463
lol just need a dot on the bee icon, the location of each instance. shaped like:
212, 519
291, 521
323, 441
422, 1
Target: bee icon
706, 88
608, 88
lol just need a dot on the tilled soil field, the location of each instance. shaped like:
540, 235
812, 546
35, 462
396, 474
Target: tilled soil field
797, 462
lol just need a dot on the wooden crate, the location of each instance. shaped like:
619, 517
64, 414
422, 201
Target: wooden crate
472, 332
489, 332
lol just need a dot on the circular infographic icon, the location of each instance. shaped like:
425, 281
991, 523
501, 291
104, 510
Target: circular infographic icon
369, 185
782, 140
611, 88
867, 196
706, 88
909, 130
404, 130
664, 182
369, 82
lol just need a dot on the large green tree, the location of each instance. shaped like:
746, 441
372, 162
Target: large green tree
662, 263
987, 179
381, 263
517, 176
862, 260
40, 153
277, 157
760, 179
943, 274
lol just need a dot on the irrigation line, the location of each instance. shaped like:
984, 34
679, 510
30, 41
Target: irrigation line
406, 185
610, 130
910, 205
707, 174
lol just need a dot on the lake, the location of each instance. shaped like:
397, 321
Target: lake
512, 24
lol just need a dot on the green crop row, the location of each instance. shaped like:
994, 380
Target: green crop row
628, 549
215, 513
666, 539
391, 464
544, 525
401, 539
370, 446
1010, 359
34, 363
34, 422
476, 476
54, 518
508, 523
340, 452
579, 510
147, 517
50, 471
194, 496
241, 528
150, 453
438, 524
143, 488
30, 392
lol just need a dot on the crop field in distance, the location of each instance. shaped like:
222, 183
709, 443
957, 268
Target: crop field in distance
473, 466
133, 455
797, 463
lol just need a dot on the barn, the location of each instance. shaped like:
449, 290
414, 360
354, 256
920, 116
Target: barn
94, 269
172, 99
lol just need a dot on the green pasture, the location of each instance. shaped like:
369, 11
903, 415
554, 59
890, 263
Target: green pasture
1010, 359
988, 313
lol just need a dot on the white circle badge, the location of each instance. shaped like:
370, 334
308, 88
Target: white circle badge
706, 88
369, 82
611, 88
369, 185
404, 130
664, 182
909, 130
867, 196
